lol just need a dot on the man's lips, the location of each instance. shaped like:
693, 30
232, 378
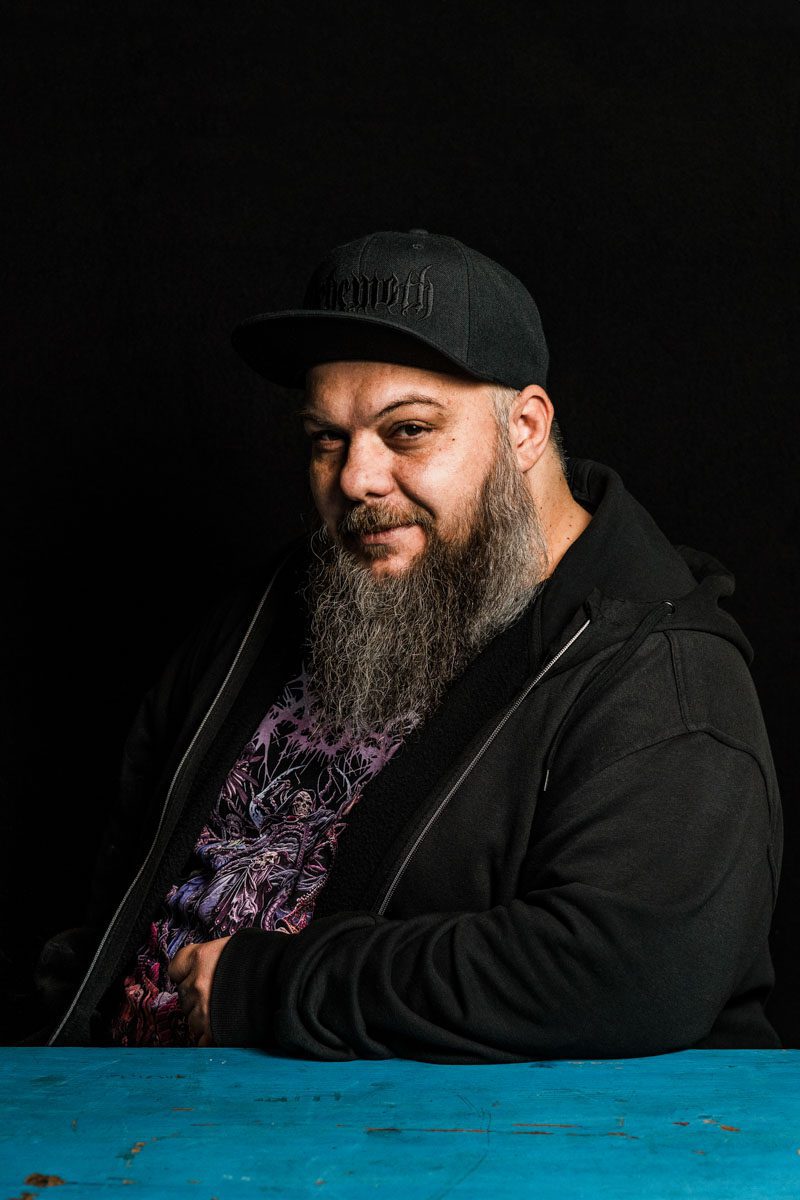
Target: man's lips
391, 533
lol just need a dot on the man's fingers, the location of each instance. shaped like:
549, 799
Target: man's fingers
188, 996
181, 965
197, 1021
192, 972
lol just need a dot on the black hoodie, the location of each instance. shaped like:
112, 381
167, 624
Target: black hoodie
576, 855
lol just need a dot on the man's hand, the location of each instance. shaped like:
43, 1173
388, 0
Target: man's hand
192, 971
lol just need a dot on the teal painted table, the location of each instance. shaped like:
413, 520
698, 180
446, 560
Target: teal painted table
231, 1123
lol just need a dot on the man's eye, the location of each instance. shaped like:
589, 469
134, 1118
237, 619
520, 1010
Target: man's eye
409, 429
323, 438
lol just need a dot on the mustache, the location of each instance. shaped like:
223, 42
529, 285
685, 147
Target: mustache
369, 518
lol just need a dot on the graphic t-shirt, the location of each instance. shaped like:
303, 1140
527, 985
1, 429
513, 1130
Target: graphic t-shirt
260, 860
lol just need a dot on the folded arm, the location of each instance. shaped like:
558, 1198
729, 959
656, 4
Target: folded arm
646, 893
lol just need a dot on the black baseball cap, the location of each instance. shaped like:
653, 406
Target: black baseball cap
417, 298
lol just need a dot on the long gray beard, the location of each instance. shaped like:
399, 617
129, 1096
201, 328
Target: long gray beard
383, 651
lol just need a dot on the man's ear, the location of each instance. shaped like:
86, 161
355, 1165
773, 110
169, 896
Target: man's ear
529, 424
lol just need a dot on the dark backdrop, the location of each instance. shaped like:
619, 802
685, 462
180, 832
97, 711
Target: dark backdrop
176, 167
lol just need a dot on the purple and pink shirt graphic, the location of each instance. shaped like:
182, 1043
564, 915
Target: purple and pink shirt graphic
261, 858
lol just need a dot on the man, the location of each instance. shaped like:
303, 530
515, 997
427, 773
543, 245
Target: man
480, 773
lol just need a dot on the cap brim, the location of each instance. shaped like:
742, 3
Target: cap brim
282, 346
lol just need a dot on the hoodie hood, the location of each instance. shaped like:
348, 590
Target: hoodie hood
623, 565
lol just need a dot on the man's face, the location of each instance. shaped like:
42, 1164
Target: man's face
396, 454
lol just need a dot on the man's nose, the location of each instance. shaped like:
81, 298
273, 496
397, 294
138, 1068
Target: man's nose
366, 470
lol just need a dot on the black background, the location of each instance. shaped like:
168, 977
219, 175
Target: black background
176, 167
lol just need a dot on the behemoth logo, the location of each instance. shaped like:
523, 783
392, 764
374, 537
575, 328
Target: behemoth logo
412, 297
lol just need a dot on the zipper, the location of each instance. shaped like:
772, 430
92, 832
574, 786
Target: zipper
165, 808
472, 763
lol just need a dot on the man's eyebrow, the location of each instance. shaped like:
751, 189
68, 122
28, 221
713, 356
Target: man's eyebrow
410, 398
310, 414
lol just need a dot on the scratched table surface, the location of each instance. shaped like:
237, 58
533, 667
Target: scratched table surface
230, 1123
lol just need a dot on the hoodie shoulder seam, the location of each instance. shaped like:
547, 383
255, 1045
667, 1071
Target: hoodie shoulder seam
734, 743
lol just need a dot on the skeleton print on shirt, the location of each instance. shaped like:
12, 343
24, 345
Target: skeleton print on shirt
260, 860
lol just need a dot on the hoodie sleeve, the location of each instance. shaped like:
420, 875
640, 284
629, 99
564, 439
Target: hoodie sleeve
154, 733
645, 900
